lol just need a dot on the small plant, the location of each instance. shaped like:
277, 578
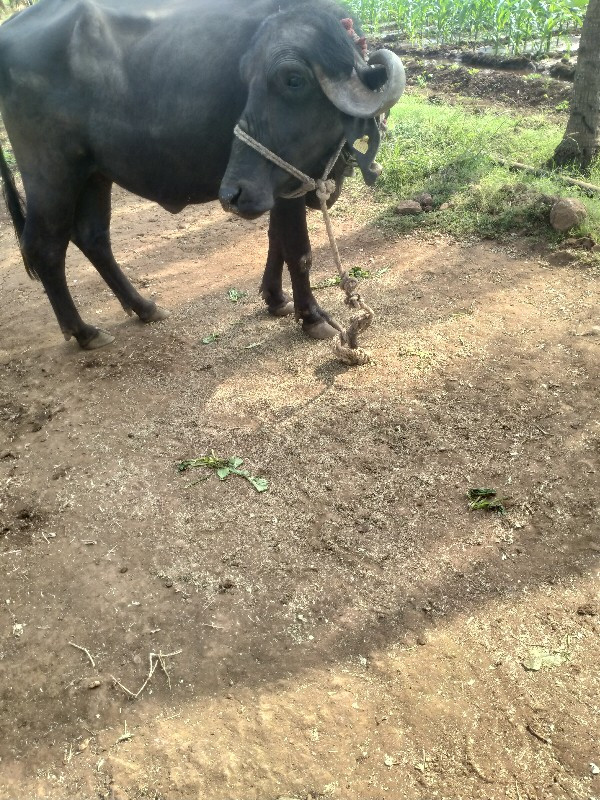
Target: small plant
236, 294
353, 272
485, 499
212, 337
224, 467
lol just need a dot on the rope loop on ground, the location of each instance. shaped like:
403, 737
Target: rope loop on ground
346, 348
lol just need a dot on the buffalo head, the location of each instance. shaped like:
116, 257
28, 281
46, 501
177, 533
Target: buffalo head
308, 87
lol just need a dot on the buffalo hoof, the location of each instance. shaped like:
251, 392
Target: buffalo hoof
284, 310
100, 339
319, 330
157, 314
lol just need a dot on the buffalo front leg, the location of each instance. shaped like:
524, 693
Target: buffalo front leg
279, 303
288, 230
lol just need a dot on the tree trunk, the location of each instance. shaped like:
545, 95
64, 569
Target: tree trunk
581, 142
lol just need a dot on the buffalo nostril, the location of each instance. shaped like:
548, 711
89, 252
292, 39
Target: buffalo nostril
229, 196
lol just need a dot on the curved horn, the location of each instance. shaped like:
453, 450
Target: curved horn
351, 95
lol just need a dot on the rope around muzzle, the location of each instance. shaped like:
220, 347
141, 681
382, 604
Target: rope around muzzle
346, 347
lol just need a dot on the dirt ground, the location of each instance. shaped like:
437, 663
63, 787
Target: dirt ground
355, 632
512, 90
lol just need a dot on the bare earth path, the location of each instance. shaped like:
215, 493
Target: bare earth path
356, 632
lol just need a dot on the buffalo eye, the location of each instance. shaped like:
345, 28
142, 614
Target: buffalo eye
294, 81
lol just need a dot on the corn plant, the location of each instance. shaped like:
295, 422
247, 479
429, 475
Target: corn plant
514, 25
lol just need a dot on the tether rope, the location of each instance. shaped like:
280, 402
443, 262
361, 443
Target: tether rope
346, 347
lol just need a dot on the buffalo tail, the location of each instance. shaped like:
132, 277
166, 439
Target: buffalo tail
14, 203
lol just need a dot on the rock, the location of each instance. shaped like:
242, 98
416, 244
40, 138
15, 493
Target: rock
579, 243
566, 213
425, 200
408, 207
445, 207
587, 610
596, 248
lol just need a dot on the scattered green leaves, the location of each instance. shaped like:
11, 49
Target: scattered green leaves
355, 272
485, 499
224, 467
236, 294
212, 337
335, 281
359, 272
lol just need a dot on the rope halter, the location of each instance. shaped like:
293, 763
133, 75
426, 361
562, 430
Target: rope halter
346, 347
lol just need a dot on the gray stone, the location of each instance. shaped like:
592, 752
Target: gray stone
408, 207
566, 213
425, 200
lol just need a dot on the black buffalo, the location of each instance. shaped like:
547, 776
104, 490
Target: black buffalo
146, 94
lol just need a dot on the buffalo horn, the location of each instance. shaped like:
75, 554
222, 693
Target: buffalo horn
352, 97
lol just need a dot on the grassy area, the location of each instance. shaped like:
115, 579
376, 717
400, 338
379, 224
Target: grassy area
450, 152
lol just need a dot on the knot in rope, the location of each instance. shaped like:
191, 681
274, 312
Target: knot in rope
325, 188
346, 348
349, 285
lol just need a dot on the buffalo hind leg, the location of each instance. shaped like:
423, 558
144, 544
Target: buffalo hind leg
91, 234
288, 229
44, 245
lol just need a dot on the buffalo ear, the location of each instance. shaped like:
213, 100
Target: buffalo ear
363, 139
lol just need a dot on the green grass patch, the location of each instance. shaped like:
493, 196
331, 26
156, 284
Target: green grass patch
450, 152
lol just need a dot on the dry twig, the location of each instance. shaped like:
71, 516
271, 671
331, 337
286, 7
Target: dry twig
155, 660
86, 651
544, 173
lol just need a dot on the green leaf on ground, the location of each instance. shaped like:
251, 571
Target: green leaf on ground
212, 337
325, 284
354, 272
236, 294
260, 484
484, 499
224, 467
473, 494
